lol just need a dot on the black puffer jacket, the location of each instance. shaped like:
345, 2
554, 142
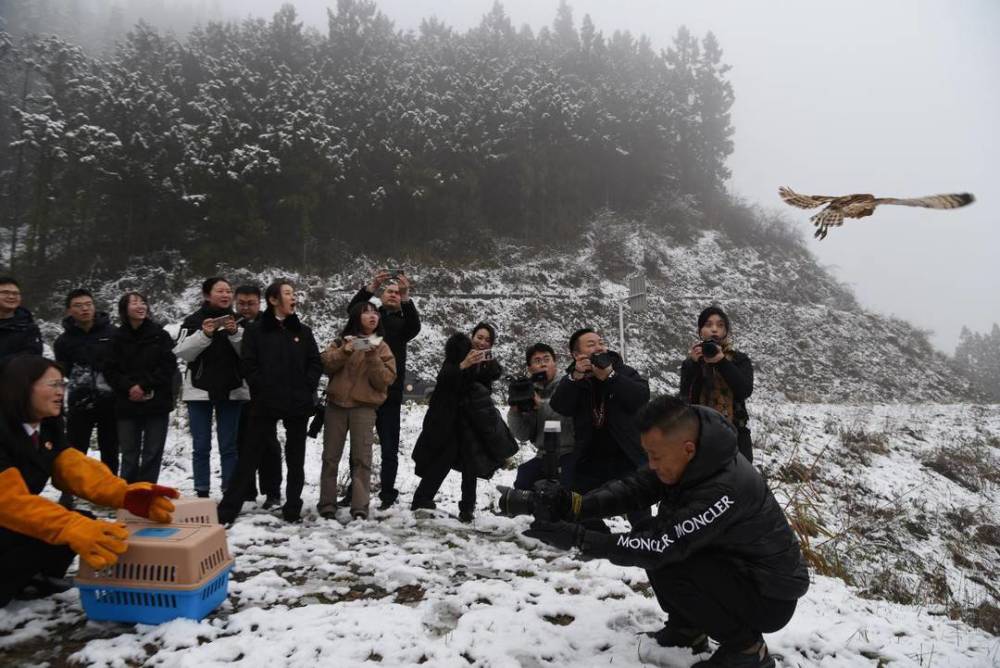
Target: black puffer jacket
485, 436
143, 356
401, 327
84, 356
19, 335
461, 412
625, 393
720, 503
282, 366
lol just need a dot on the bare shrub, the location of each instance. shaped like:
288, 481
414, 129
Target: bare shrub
971, 464
862, 444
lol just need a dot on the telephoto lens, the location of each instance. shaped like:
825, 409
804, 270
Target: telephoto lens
514, 502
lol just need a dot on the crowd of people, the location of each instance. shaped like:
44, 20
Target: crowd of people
720, 554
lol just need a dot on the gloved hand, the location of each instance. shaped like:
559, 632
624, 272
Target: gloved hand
561, 535
553, 502
148, 500
97, 542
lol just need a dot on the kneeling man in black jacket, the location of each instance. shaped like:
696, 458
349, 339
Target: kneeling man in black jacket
720, 555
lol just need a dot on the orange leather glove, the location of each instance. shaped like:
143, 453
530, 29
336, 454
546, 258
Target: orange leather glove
97, 542
151, 501
83, 476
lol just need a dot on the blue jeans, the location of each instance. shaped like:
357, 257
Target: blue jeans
141, 440
227, 422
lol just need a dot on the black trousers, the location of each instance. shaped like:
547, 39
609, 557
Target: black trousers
590, 473
80, 425
269, 470
711, 592
262, 431
387, 428
431, 483
744, 443
531, 472
23, 557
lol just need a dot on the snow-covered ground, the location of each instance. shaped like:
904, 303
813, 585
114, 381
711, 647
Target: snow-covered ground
404, 590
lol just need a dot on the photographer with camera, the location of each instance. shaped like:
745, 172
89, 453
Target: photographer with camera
462, 430
209, 341
529, 411
717, 375
361, 369
602, 394
401, 323
720, 555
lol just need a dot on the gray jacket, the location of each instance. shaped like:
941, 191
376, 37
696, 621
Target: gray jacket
531, 426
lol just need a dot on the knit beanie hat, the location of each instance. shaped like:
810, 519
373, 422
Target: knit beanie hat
709, 312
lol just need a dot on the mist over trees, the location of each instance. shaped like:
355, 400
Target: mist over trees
265, 140
978, 356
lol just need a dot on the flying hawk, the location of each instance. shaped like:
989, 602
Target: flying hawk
859, 206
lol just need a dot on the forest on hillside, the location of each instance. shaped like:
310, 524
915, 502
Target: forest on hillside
267, 141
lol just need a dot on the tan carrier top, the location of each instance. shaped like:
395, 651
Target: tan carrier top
187, 510
165, 557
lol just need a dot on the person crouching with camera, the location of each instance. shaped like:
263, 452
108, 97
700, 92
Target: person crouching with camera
720, 554
529, 411
717, 375
361, 368
602, 395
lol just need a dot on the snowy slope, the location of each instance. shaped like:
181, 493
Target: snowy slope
808, 339
897, 497
404, 590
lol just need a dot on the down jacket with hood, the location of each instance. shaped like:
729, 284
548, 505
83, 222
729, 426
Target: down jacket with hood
461, 420
84, 354
721, 503
19, 335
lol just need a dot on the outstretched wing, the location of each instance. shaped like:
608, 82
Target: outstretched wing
825, 219
952, 201
803, 201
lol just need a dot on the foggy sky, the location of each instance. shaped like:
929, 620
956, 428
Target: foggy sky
894, 98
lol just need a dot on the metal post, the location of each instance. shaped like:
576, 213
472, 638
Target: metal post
621, 328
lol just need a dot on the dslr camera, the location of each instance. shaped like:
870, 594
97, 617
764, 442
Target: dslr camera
601, 360
709, 348
521, 390
514, 502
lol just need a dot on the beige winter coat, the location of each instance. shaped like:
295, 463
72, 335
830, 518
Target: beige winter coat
359, 378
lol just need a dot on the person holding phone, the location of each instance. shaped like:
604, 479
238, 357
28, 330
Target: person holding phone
282, 366
401, 322
361, 367
140, 370
462, 430
210, 342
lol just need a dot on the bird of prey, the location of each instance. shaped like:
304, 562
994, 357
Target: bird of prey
859, 206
